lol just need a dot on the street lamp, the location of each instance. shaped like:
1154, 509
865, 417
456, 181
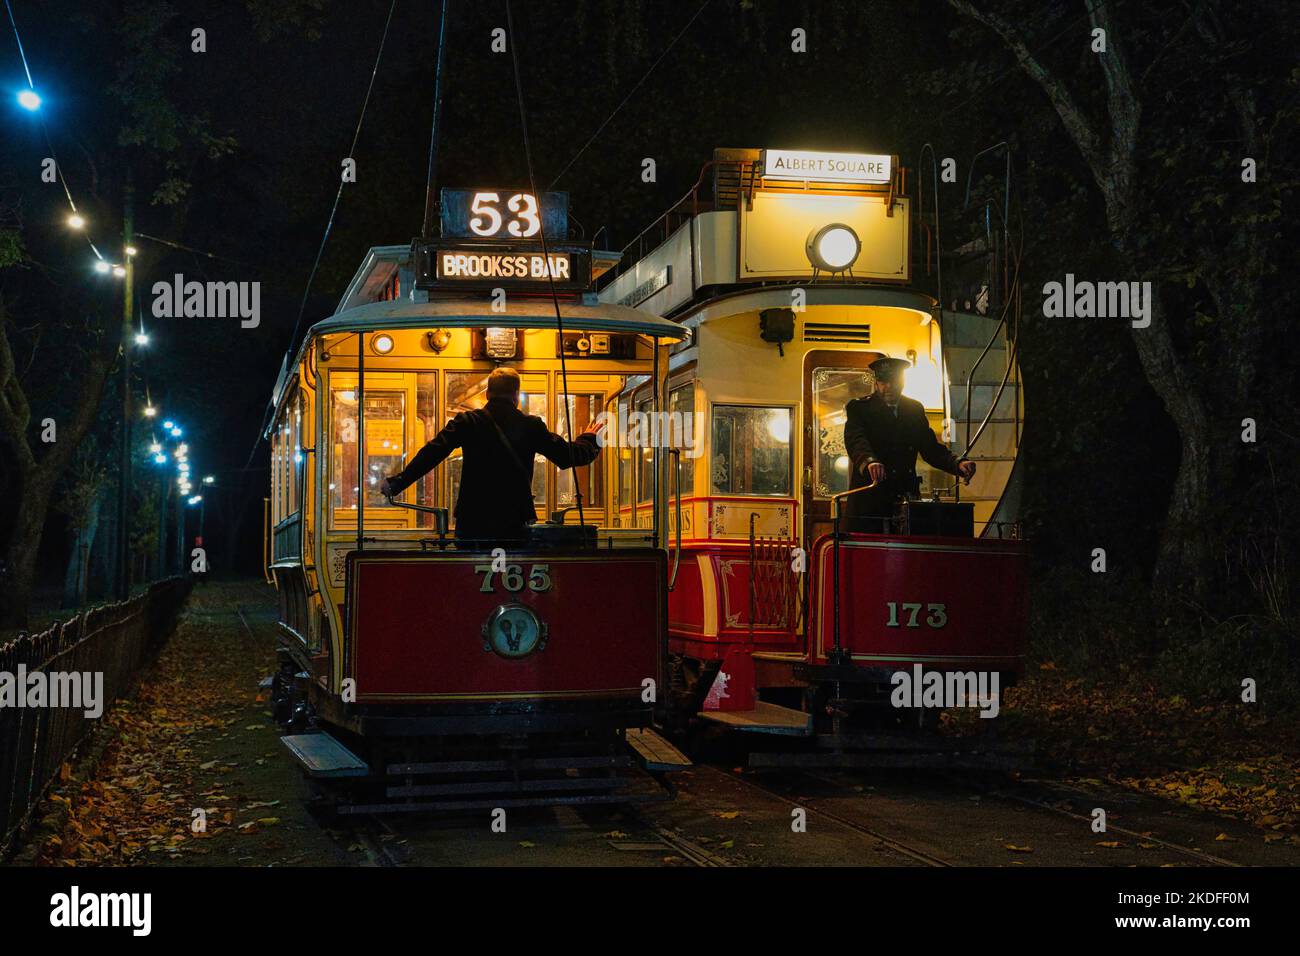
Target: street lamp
76, 221
29, 100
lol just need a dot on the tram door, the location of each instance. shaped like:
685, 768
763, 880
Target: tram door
831, 379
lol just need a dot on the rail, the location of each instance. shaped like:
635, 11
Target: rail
110, 645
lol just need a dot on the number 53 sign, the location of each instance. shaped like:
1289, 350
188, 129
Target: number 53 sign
503, 213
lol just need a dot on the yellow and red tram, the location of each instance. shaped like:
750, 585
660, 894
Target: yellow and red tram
428, 670
794, 270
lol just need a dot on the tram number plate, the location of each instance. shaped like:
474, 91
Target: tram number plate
936, 615
513, 578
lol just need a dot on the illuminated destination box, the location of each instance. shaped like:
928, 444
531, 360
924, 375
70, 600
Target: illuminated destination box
458, 264
806, 165
513, 266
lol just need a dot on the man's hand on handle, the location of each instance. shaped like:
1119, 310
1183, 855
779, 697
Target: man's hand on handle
876, 472
966, 468
386, 488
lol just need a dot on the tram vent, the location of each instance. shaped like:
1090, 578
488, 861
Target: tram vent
826, 332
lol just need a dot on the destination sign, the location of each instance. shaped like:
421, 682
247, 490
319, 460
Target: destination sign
808, 166
503, 213
521, 265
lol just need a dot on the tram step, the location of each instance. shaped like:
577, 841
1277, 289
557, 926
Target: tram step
656, 753
766, 718
320, 755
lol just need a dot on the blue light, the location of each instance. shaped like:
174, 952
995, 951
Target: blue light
161, 459
176, 431
169, 424
28, 100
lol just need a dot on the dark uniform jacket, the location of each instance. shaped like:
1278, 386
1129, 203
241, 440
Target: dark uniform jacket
496, 497
873, 433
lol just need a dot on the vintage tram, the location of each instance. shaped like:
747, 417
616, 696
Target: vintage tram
794, 271
424, 670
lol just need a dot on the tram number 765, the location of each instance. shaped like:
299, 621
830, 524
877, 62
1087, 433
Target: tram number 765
936, 614
513, 579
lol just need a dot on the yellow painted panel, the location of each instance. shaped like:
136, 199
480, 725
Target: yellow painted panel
774, 234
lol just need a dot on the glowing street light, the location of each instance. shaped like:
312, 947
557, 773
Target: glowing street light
76, 221
119, 271
102, 267
141, 338
29, 100
150, 411
156, 449
208, 479
160, 459
131, 250
176, 431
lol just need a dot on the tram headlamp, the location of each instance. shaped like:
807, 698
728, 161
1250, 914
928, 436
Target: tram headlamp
833, 248
382, 344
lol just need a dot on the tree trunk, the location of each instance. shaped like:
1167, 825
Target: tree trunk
21, 551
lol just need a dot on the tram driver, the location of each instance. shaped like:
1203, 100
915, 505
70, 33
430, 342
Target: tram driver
495, 500
883, 434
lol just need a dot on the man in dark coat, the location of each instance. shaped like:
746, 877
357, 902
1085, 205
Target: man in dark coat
883, 434
495, 501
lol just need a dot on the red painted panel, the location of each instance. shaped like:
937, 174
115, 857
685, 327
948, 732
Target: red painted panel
416, 627
972, 592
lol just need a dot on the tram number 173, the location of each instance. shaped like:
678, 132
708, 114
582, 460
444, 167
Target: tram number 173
936, 614
513, 577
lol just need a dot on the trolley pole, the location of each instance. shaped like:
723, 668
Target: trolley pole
432, 172
124, 464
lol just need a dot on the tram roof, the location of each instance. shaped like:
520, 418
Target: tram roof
527, 312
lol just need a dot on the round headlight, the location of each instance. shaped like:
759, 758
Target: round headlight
382, 344
833, 248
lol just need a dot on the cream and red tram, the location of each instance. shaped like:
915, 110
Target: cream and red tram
794, 271
431, 671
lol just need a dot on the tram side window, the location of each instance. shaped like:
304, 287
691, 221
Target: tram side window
681, 424
832, 390
293, 455
468, 390
583, 410
385, 445
751, 450
625, 453
275, 475
645, 452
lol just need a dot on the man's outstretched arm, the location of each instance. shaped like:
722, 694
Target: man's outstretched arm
426, 459
568, 454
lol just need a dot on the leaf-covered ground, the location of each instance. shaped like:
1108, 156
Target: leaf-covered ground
1231, 758
196, 737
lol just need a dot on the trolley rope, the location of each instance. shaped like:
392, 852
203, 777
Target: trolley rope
546, 256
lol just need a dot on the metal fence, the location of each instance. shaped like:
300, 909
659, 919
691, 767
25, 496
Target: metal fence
115, 640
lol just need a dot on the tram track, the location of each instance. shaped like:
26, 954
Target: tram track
1000, 793
1024, 800
923, 857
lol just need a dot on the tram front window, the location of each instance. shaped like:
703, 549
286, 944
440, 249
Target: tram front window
751, 450
468, 390
832, 390
385, 445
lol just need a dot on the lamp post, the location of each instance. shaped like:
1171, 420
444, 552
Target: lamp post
124, 475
